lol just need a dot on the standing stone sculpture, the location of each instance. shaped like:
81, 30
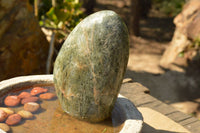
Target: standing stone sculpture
90, 66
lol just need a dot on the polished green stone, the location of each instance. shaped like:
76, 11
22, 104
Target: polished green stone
90, 66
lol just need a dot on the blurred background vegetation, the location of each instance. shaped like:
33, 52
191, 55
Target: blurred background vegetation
60, 16
63, 15
169, 7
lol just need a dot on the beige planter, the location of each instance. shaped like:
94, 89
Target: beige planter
124, 110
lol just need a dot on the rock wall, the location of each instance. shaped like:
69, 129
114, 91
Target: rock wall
187, 31
23, 47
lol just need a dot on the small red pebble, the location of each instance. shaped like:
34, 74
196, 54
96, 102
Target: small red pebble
47, 96
3, 115
24, 95
38, 90
58, 115
29, 99
13, 119
12, 101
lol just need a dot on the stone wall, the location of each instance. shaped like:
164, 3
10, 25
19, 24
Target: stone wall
187, 31
23, 47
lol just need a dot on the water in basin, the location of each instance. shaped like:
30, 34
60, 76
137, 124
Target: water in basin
50, 118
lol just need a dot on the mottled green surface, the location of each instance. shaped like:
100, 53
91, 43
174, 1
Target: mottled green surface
89, 69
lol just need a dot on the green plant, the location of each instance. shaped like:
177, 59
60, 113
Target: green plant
196, 43
58, 16
62, 17
193, 47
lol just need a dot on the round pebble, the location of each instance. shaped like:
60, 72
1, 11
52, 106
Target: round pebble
12, 101
47, 96
7, 110
24, 95
29, 99
3, 115
25, 114
4, 127
31, 106
38, 90
13, 119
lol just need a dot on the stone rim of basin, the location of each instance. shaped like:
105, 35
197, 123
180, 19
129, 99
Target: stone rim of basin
132, 118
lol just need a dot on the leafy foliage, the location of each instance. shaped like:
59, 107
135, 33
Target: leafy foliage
196, 43
62, 17
194, 47
170, 7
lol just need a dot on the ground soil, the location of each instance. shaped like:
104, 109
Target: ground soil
172, 86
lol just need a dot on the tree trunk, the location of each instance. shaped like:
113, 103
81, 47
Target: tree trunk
135, 17
145, 6
88, 5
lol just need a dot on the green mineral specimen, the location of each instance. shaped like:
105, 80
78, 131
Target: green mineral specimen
90, 66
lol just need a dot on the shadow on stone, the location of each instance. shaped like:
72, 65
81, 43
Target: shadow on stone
125, 110
148, 129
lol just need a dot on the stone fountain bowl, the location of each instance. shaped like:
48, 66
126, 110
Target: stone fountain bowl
124, 112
